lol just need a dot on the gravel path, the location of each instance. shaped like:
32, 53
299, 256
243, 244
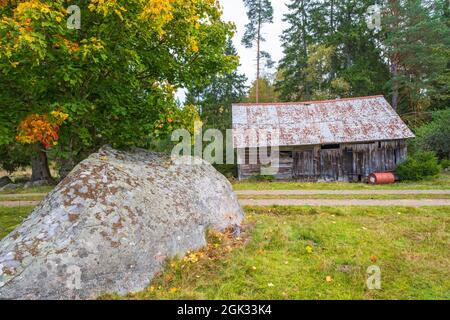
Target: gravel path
330, 203
19, 195
18, 203
336, 192
303, 202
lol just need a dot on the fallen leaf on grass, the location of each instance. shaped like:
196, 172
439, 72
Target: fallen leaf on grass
173, 290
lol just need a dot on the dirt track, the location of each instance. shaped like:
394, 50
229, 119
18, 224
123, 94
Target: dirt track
336, 192
18, 203
307, 202
331, 203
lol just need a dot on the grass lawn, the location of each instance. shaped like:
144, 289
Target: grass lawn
440, 183
309, 253
43, 190
21, 198
318, 253
11, 217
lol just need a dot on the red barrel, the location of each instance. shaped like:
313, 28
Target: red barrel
382, 178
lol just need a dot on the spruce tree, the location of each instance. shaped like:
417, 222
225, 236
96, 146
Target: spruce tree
337, 31
216, 98
416, 42
292, 84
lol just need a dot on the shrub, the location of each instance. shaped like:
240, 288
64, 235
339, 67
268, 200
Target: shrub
229, 171
434, 136
445, 164
14, 156
261, 178
420, 166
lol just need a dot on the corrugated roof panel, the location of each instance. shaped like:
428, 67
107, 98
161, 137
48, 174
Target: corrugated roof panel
321, 122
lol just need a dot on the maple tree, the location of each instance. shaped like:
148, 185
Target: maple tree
41, 129
116, 77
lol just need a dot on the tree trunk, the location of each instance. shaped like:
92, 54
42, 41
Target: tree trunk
305, 49
395, 89
39, 165
258, 55
395, 56
332, 16
65, 167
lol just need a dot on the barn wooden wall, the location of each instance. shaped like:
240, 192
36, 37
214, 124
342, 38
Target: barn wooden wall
349, 162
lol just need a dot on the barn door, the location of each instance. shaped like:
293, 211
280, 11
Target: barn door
348, 162
330, 164
304, 166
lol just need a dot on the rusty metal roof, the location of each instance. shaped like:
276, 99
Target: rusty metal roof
363, 119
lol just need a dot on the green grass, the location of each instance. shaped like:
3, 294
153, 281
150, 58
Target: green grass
349, 197
410, 245
441, 183
11, 217
21, 198
45, 189
273, 260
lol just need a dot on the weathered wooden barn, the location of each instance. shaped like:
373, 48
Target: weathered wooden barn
334, 140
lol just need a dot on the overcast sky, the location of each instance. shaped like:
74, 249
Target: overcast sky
235, 11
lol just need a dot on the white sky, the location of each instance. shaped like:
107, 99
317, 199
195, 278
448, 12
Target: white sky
235, 11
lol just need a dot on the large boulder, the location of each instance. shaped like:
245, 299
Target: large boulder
111, 223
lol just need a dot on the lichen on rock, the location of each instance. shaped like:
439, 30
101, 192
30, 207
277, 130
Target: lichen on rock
111, 223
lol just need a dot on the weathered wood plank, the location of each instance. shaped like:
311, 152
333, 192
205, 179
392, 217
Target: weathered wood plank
349, 162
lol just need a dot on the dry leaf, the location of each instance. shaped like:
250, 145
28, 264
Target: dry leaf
173, 290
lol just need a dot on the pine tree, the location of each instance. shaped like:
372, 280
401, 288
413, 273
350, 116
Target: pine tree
216, 98
292, 84
337, 32
259, 12
267, 92
416, 41
440, 92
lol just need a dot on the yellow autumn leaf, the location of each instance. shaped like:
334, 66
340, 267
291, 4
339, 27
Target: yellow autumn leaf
173, 290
